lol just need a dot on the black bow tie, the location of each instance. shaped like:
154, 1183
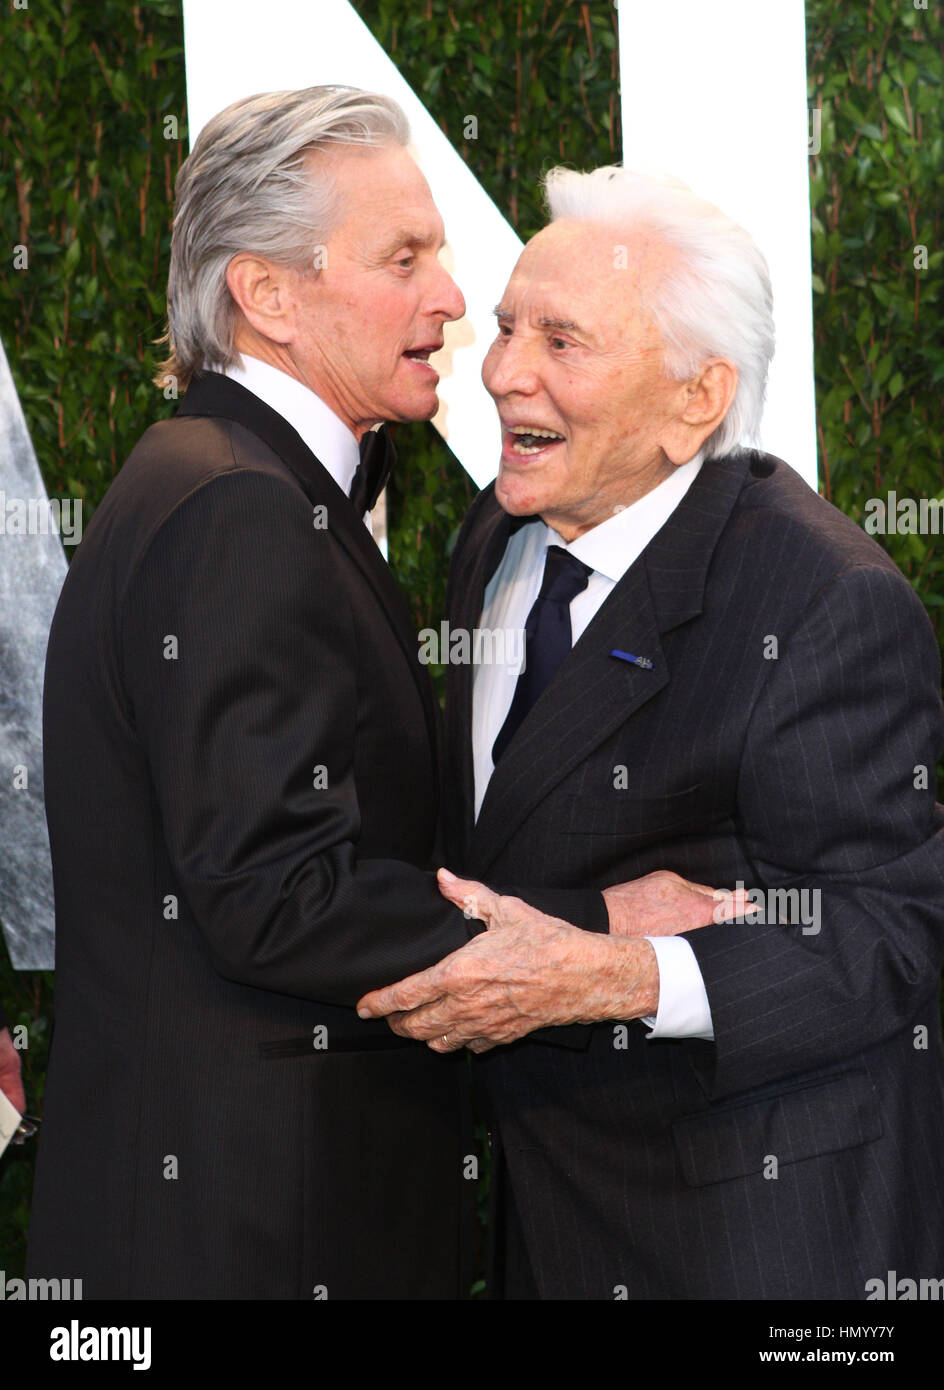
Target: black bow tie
370, 477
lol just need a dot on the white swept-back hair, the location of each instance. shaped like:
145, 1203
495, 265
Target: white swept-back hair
249, 184
715, 302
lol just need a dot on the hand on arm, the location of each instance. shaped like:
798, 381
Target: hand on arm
530, 971
665, 904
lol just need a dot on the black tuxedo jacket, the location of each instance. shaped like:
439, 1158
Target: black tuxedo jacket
241, 794
786, 736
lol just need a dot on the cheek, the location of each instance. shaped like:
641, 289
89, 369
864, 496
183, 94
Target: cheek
383, 342
612, 428
382, 321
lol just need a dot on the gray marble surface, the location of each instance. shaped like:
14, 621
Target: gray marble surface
32, 568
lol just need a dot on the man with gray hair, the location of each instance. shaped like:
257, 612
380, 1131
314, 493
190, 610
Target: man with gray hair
726, 678
240, 767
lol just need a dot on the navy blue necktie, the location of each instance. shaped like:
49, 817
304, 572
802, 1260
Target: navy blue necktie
548, 636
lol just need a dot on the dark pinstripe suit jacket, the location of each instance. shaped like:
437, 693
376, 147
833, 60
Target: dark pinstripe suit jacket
800, 1153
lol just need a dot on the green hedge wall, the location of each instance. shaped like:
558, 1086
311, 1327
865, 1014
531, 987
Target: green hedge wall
89, 153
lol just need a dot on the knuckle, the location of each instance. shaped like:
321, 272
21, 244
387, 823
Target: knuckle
455, 975
449, 973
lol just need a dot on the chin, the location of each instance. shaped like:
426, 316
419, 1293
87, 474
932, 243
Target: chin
417, 409
514, 498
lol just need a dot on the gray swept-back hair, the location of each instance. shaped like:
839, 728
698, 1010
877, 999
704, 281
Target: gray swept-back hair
248, 185
715, 302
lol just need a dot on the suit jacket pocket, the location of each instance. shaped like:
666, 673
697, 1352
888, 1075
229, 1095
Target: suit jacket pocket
616, 812
736, 1141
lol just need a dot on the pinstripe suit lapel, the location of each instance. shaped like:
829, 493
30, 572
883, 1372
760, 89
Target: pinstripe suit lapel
593, 692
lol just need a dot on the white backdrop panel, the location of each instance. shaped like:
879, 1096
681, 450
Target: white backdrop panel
716, 94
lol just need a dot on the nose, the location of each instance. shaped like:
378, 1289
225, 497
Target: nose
510, 366
447, 297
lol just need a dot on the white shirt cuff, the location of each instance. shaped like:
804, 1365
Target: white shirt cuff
684, 1011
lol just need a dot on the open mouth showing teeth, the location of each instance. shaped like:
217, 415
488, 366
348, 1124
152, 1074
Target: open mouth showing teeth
529, 439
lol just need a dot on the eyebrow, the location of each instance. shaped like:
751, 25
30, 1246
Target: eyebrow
565, 325
562, 325
407, 237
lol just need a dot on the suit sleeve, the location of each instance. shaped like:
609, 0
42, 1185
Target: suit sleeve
581, 907
239, 662
836, 800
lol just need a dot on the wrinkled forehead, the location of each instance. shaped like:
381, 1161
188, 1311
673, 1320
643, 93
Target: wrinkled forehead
586, 270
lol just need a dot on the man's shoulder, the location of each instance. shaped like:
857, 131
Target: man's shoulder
185, 477
174, 457
797, 530
178, 460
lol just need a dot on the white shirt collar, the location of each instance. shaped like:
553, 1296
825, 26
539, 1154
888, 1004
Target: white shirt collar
328, 438
612, 546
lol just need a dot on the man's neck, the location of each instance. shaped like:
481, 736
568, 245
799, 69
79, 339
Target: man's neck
571, 525
279, 355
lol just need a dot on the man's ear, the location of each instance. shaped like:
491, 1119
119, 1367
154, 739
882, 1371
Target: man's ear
263, 292
705, 401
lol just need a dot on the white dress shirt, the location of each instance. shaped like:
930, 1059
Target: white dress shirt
608, 549
328, 438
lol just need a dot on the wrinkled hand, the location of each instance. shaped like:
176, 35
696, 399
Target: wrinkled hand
664, 904
527, 971
11, 1083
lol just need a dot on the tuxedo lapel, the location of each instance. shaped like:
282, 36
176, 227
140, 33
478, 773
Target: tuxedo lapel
219, 396
594, 692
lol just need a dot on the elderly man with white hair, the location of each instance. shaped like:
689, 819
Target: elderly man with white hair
726, 678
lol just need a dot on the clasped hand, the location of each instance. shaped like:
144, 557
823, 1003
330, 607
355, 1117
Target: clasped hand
529, 970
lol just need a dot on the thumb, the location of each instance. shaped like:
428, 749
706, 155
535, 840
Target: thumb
477, 902
732, 904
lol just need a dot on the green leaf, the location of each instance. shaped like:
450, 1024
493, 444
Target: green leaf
897, 117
